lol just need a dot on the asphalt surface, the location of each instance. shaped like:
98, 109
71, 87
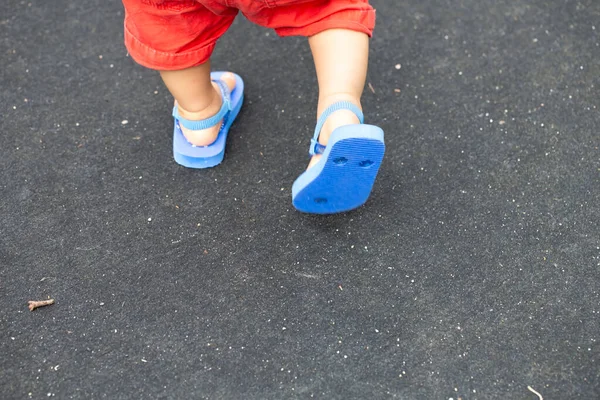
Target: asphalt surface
471, 273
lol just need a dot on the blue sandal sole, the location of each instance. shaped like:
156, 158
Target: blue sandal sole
343, 178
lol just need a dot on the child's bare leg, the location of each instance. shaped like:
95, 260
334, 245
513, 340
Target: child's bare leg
341, 57
197, 98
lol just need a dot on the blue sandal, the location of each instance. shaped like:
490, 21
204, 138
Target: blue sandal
192, 156
343, 178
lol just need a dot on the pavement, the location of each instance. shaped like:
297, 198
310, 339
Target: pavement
471, 273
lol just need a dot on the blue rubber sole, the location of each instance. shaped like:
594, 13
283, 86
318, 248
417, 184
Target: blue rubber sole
343, 178
208, 156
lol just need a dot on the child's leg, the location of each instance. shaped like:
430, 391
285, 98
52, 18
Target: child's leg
341, 58
177, 39
197, 98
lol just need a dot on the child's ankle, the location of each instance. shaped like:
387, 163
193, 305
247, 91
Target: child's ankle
202, 109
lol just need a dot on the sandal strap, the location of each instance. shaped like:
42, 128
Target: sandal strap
315, 146
215, 119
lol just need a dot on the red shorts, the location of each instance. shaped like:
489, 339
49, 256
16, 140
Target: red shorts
178, 34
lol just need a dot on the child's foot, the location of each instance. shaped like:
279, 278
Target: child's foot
206, 137
335, 120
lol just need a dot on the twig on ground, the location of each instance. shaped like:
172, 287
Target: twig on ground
371, 88
35, 304
532, 390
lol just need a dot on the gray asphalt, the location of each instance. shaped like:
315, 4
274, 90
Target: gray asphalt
471, 273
